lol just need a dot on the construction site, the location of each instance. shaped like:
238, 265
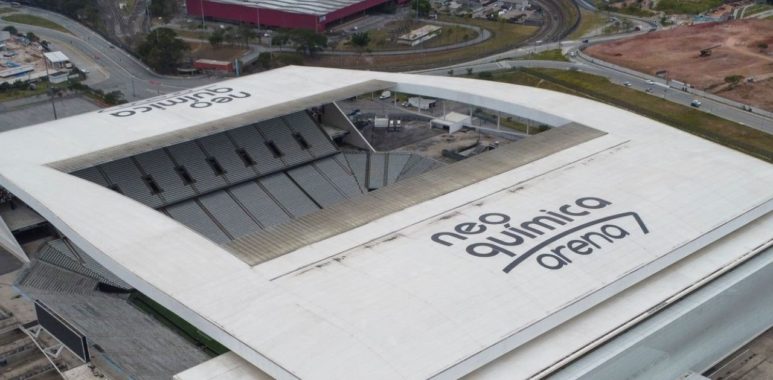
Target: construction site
732, 59
21, 59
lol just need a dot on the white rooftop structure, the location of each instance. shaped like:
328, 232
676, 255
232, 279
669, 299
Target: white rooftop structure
453, 120
509, 264
313, 7
56, 57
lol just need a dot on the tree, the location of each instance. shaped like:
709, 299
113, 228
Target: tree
162, 50
11, 29
264, 60
307, 41
280, 39
361, 40
246, 33
165, 9
216, 38
114, 97
32, 37
423, 7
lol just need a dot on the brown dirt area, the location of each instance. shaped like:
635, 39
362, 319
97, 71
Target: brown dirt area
677, 51
222, 53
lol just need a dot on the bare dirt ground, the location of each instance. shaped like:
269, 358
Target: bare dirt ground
222, 53
678, 51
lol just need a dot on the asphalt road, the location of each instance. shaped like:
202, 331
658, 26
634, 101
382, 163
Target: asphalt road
725, 109
115, 69
110, 68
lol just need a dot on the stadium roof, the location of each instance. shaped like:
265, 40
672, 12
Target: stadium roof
456, 278
314, 7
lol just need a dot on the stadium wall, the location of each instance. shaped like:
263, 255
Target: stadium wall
276, 18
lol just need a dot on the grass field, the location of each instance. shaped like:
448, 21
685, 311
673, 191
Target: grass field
173, 321
385, 38
222, 53
710, 127
687, 6
589, 21
7, 95
547, 55
197, 34
504, 36
36, 21
7, 10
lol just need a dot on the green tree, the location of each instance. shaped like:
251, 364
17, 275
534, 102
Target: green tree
32, 37
11, 29
423, 6
114, 97
307, 42
280, 39
216, 38
162, 50
165, 9
246, 33
264, 61
361, 40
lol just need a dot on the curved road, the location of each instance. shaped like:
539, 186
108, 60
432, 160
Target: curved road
725, 109
110, 68
117, 70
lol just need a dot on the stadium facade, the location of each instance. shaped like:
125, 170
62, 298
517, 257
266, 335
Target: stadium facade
609, 246
301, 14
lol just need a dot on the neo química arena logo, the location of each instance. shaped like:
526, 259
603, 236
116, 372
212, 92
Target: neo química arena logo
561, 235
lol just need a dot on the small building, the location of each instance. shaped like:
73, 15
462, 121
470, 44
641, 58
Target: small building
4, 36
417, 36
453, 121
421, 103
57, 60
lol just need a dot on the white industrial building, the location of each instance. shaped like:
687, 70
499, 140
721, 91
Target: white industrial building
611, 246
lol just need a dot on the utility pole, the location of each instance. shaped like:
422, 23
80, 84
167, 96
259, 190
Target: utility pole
50, 88
202, 14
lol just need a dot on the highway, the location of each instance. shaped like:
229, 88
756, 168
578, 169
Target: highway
724, 108
113, 69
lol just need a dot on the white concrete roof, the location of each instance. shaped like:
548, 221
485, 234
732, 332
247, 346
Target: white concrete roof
313, 7
384, 300
56, 57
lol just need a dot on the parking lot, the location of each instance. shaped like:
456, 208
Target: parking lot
38, 109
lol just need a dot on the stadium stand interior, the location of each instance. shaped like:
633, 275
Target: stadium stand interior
233, 183
223, 186
135, 343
